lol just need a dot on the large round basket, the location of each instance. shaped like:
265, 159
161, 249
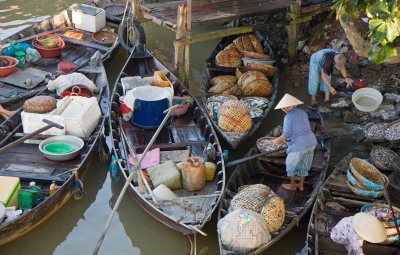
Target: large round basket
250, 197
382, 157
273, 212
366, 174
40, 104
354, 182
375, 132
392, 131
264, 144
363, 192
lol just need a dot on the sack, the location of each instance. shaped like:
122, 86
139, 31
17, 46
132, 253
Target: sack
166, 173
251, 197
65, 81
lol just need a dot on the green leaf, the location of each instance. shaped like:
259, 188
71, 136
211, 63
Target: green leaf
390, 52
381, 32
374, 24
379, 9
353, 2
379, 56
392, 31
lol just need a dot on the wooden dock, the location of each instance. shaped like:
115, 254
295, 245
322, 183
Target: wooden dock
181, 16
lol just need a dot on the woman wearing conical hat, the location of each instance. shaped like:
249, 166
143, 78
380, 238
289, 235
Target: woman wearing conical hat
300, 151
352, 231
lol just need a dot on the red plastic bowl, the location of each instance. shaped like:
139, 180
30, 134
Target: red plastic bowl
51, 44
359, 83
180, 110
66, 67
12, 66
49, 52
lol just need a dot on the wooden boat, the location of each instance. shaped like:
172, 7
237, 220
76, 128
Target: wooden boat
334, 202
192, 129
273, 174
28, 163
75, 51
210, 70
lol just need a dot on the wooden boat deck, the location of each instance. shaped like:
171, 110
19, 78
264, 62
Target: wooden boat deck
182, 136
218, 11
335, 201
272, 173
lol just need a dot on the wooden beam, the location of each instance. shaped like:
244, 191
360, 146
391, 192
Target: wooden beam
179, 45
292, 29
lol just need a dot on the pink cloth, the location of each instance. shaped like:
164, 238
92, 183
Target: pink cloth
152, 158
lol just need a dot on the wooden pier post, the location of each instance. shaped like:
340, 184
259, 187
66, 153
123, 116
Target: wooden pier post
179, 46
188, 35
136, 9
292, 29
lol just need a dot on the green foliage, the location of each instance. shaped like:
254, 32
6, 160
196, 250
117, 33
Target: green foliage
383, 22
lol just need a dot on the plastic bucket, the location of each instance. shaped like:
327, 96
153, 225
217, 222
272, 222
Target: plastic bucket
149, 106
359, 83
123, 107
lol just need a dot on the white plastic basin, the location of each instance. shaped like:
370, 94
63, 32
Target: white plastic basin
367, 99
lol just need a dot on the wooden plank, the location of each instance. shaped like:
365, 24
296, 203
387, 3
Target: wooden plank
84, 43
31, 176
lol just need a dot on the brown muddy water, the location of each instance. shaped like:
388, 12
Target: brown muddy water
76, 227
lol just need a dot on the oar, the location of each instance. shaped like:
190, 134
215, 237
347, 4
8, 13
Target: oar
50, 124
238, 161
130, 178
385, 185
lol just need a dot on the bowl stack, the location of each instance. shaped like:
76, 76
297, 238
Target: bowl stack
49, 46
364, 179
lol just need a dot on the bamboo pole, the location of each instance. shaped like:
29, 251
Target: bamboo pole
292, 29
179, 46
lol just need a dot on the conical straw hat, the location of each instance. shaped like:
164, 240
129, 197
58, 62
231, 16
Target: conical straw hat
288, 100
369, 228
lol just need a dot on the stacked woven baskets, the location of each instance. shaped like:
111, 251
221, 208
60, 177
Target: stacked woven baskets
234, 116
384, 214
261, 199
364, 179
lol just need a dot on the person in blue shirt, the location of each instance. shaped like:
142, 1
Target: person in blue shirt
300, 139
320, 71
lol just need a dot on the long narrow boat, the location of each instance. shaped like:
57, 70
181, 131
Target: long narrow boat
211, 70
27, 162
192, 130
77, 51
273, 174
334, 202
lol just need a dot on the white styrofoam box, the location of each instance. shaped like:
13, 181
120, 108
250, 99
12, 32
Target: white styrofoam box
81, 116
78, 115
33, 121
88, 18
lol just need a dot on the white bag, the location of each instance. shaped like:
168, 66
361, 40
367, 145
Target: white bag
65, 81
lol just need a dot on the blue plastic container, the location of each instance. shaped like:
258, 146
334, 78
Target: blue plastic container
149, 106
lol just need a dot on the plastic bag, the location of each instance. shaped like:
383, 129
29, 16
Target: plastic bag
10, 50
65, 81
32, 55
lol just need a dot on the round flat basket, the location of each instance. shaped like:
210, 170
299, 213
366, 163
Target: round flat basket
392, 131
40, 104
366, 174
382, 157
273, 212
115, 9
375, 131
259, 102
264, 144
363, 192
104, 37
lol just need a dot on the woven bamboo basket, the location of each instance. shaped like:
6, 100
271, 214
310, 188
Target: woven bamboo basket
223, 79
366, 174
234, 116
240, 71
220, 87
249, 54
234, 90
228, 58
247, 44
259, 88
273, 212
264, 144
256, 44
392, 131
269, 71
382, 157
231, 46
250, 197
40, 104
239, 44
356, 183
363, 192
250, 76
379, 134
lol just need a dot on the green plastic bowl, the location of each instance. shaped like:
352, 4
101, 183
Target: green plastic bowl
58, 148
